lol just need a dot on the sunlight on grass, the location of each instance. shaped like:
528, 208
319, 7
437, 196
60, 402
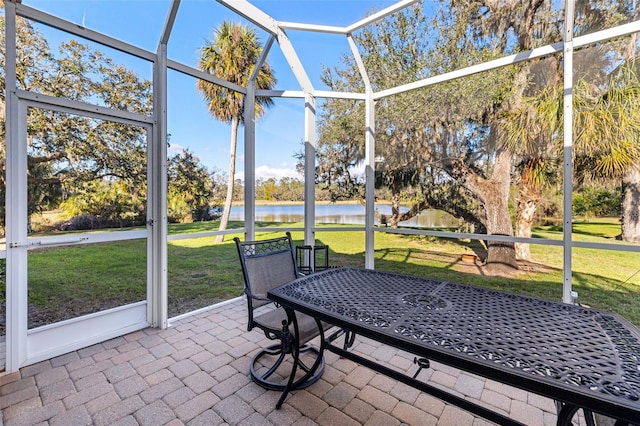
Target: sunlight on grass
72, 281
65, 282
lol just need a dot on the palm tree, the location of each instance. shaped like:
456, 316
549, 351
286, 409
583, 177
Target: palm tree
232, 55
531, 132
609, 141
605, 146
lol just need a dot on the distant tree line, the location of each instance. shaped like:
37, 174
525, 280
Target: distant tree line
284, 189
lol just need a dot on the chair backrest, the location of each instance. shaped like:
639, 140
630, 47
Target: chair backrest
266, 264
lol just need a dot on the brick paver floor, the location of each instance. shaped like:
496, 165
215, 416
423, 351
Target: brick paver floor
196, 373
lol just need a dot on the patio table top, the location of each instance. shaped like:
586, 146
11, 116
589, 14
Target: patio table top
575, 355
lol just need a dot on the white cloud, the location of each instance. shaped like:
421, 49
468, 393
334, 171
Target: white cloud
175, 148
266, 172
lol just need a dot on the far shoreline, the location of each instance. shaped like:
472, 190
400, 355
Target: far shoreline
300, 203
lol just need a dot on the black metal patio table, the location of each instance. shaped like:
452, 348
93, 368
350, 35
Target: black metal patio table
580, 357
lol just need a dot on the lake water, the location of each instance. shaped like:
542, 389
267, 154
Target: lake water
352, 214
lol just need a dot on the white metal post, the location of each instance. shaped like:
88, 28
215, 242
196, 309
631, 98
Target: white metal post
249, 114
309, 172
250, 161
369, 159
309, 135
158, 183
157, 190
15, 204
567, 154
370, 153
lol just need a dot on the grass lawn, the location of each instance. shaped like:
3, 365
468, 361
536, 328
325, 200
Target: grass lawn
65, 282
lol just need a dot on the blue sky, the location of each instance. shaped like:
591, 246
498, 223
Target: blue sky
280, 132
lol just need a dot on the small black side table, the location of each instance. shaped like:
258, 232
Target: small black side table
312, 258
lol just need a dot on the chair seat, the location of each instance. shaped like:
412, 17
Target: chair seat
306, 325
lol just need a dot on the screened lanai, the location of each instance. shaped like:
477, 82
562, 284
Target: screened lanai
507, 132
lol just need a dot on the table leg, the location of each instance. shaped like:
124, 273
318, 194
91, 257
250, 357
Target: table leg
589, 417
565, 413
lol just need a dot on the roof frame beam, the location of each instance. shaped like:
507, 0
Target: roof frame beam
194, 72
80, 31
253, 14
262, 59
379, 15
171, 19
267, 23
312, 27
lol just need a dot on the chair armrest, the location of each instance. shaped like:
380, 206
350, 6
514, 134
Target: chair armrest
261, 299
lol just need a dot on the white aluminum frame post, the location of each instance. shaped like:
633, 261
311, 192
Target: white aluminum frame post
15, 206
567, 182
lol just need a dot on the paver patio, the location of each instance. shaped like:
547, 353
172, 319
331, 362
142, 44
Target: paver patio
196, 373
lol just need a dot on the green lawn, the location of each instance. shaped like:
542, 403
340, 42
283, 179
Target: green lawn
69, 281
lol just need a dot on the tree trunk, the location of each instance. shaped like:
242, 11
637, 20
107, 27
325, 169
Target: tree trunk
527, 205
394, 219
524, 223
631, 205
501, 256
232, 171
494, 195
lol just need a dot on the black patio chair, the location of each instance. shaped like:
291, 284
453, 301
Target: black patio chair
267, 264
